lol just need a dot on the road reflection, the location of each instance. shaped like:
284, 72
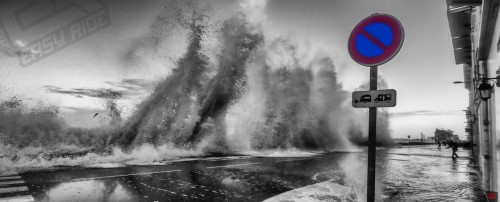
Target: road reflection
416, 173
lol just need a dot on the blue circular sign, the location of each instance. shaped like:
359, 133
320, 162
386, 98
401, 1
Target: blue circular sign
376, 40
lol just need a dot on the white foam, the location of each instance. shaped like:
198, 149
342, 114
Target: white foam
317, 192
105, 165
282, 153
142, 155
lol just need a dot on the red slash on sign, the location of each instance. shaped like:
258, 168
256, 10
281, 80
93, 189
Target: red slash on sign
372, 39
376, 39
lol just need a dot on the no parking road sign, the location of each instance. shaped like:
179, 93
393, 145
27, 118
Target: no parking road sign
376, 40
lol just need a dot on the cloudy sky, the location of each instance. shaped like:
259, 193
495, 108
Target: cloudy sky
74, 77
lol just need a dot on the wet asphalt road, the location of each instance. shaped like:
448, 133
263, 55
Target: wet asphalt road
407, 173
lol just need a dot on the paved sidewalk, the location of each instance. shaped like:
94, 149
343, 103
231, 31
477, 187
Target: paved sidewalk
425, 173
406, 173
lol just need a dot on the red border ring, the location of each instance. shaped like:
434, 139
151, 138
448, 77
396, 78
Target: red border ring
389, 52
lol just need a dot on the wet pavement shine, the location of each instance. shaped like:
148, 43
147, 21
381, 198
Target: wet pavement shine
415, 173
407, 173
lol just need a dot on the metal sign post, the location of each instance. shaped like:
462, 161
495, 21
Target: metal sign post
374, 41
372, 138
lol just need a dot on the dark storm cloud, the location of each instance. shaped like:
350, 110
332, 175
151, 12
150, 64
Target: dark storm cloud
86, 92
424, 113
121, 89
131, 84
78, 112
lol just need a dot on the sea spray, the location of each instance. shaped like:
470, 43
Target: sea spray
358, 129
256, 93
355, 171
234, 89
180, 106
30, 158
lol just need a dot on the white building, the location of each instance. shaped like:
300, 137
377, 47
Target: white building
475, 32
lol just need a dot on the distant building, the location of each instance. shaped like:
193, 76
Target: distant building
401, 140
416, 140
429, 140
441, 135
